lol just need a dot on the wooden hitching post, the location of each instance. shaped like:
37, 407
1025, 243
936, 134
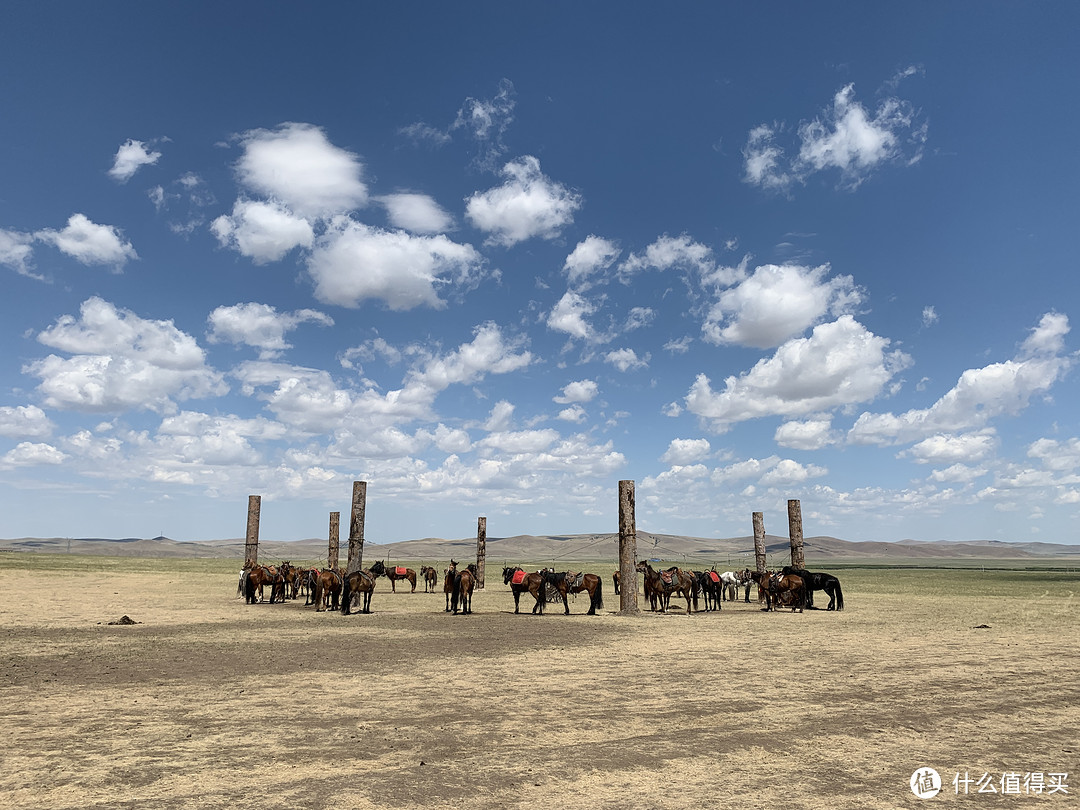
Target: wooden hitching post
794, 517
335, 540
356, 527
481, 550
759, 541
628, 580
251, 542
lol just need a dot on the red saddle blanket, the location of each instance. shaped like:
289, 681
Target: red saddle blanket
401, 570
715, 577
518, 578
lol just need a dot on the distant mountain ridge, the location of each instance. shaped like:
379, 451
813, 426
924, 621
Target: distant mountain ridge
732, 550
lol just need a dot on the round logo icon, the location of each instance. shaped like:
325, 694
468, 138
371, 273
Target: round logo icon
925, 783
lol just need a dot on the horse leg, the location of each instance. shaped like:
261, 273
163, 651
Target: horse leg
566, 606
517, 596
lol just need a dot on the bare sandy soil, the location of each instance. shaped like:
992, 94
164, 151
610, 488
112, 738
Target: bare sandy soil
210, 703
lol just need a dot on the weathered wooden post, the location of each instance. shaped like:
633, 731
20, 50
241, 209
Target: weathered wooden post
356, 527
335, 540
251, 542
628, 584
759, 549
759, 541
481, 550
794, 517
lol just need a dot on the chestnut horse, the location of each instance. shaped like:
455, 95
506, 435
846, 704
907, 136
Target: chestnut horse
254, 579
533, 583
568, 582
396, 572
464, 582
430, 576
326, 589
448, 583
783, 590
659, 588
361, 582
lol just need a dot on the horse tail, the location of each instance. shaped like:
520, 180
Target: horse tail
346, 595
249, 587
598, 597
240, 583
839, 596
543, 592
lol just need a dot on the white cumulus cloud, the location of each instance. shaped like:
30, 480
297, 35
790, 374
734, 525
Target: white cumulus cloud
296, 165
263, 231
352, 263
776, 303
686, 451
90, 243
841, 363
130, 157
416, 213
121, 361
980, 394
260, 326
527, 205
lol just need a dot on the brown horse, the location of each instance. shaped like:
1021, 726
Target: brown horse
448, 583
464, 582
292, 576
568, 582
533, 583
659, 586
325, 587
396, 572
308, 577
430, 577
784, 590
615, 579
361, 582
254, 579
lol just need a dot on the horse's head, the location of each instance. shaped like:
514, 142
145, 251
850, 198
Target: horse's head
508, 573
378, 569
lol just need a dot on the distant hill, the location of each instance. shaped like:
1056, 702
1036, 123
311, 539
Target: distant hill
734, 550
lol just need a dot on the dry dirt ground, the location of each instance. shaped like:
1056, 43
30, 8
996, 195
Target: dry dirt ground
210, 703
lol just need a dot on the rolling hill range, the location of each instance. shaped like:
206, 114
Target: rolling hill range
726, 551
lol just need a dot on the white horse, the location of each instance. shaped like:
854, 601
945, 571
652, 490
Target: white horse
729, 586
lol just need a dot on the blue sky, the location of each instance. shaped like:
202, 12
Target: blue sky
493, 258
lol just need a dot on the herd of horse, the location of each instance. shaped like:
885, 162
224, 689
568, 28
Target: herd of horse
334, 589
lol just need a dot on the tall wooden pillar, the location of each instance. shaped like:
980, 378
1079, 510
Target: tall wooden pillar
759, 541
794, 516
481, 550
251, 541
628, 579
356, 527
335, 540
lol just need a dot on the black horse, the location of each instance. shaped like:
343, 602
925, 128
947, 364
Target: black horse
819, 582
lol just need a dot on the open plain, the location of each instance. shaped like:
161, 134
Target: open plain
208, 702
